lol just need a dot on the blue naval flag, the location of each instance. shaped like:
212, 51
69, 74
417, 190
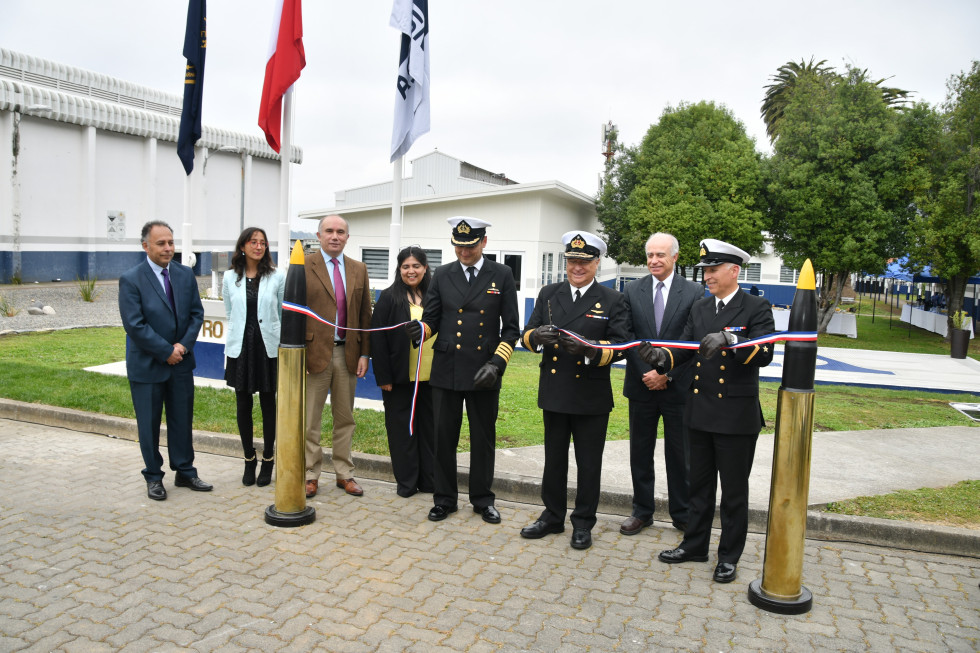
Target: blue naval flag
411, 18
195, 47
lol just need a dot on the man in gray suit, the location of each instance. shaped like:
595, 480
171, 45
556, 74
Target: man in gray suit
658, 308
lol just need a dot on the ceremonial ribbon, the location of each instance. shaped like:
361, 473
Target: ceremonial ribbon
309, 312
787, 336
779, 336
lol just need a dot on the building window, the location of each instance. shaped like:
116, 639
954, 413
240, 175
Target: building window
560, 274
788, 274
547, 268
435, 258
376, 261
750, 272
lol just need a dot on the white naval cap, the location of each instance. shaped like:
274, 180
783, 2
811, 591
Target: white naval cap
715, 252
583, 245
467, 231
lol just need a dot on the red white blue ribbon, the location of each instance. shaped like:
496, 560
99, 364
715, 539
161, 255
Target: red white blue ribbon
779, 336
308, 312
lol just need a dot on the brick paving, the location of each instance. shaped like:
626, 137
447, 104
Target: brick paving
88, 563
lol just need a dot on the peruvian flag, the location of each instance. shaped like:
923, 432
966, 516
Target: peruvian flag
286, 59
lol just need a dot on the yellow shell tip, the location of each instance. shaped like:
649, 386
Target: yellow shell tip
808, 280
297, 257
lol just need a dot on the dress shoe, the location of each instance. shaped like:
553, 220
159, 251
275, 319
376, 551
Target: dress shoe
155, 490
311, 487
679, 525
634, 525
680, 555
724, 572
490, 514
539, 529
195, 483
581, 538
350, 486
438, 513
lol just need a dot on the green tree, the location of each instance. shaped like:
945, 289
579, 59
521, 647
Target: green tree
835, 182
946, 229
696, 174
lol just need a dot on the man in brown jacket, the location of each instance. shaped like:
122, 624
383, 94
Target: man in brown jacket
337, 289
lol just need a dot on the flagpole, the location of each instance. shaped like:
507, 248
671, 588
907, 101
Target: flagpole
285, 155
395, 232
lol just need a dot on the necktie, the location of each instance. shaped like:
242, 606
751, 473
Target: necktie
658, 305
721, 305
169, 290
472, 272
578, 294
341, 293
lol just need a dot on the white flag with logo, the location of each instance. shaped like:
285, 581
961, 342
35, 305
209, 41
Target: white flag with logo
411, 18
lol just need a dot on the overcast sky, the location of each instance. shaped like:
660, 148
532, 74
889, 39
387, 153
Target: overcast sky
520, 87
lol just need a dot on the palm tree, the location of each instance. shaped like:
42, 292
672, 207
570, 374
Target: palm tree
790, 73
778, 93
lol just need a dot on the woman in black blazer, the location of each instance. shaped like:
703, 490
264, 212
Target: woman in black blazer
395, 360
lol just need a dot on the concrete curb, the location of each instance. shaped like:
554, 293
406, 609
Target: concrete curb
522, 489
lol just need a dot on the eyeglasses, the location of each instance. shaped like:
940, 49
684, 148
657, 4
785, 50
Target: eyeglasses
258, 243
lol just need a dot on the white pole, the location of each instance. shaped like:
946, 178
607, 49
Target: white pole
395, 232
285, 154
187, 228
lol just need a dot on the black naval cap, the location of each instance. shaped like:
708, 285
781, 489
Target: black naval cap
715, 252
467, 232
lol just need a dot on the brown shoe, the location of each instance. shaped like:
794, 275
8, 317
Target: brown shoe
311, 487
350, 486
634, 525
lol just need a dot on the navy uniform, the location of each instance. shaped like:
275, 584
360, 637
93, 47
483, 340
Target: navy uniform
478, 325
574, 390
723, 413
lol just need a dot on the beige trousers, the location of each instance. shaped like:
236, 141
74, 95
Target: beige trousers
339, 384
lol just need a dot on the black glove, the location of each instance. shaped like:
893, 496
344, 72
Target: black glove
575, 348
486, 377
655, 357
414, 330
712, 343
546, 334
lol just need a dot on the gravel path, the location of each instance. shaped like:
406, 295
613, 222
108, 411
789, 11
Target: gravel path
70, 311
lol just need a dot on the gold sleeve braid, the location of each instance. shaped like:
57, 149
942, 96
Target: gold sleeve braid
504, 350
428, 331
527, 340
607, 355
671, 354
755, 351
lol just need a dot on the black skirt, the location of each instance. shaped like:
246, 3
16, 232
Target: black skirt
253, 370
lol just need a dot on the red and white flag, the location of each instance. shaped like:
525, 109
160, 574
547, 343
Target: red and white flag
286, 59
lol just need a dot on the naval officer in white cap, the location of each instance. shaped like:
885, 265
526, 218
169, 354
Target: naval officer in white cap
472, 305
723, 413
574, 391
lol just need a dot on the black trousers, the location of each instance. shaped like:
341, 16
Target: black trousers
481, 412
729, 457
588, 432
149, 399
643, 418
412, 456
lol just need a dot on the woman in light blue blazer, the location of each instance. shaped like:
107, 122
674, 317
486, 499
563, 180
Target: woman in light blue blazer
252, 289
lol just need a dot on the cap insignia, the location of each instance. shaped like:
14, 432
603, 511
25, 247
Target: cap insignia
578, 242
463, 228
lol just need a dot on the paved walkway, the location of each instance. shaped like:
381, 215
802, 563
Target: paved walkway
88, 563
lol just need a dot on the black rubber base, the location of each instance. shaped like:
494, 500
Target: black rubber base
289, 519
760, 599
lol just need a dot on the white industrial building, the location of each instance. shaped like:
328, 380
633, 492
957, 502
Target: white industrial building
93, 158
